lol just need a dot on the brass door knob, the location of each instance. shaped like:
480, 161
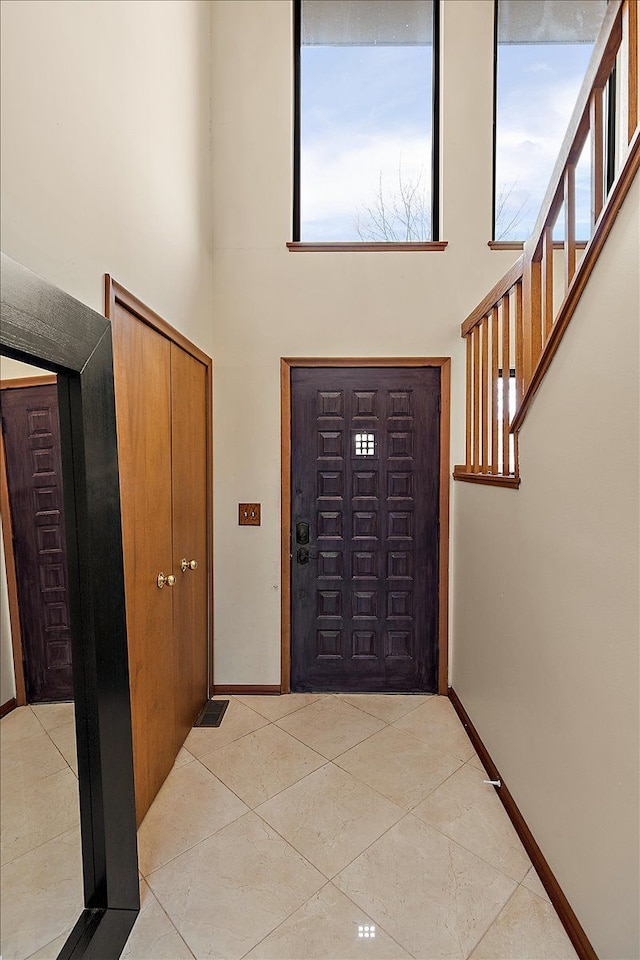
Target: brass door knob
168, 581
188, 564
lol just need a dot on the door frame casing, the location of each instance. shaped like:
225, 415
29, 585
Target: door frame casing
9, 553
287, 364
117, 295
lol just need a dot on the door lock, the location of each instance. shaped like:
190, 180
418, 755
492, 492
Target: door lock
188, 564
302, 532
304, 555
162, 581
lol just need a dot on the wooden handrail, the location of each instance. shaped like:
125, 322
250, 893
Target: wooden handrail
493, 297
568, 306
600, 66
517, 323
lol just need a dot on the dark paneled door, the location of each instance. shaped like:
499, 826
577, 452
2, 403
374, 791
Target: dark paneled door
31, 431
365, 495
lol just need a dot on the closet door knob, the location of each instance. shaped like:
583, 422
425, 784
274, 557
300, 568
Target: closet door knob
162, 581
188, 564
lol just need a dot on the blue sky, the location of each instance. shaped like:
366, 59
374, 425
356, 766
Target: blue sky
537, 89
366, 114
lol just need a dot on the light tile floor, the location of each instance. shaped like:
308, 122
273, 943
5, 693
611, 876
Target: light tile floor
299, 826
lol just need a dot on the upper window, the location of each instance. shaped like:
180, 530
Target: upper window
366, 133
542, 51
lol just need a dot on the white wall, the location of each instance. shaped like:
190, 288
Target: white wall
105, 167
270, 303
546, 602
105, 150
105, 153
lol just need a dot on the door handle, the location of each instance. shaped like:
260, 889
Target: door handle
163, 581
304, 555
188, 564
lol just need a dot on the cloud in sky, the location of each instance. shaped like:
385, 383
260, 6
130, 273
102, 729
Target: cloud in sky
341, 178
366, 111
534, 108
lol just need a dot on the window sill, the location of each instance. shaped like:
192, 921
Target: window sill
492, 479
513, 245
298, 246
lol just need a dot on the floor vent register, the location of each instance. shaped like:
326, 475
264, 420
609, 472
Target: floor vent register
212, 713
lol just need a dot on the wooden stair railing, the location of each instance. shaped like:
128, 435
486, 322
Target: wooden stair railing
513, 334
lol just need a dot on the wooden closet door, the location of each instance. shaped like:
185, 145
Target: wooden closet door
142, 371
189, 479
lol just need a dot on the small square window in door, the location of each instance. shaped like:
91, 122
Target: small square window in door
364, 444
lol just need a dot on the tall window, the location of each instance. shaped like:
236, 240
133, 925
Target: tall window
543, 48
366, 140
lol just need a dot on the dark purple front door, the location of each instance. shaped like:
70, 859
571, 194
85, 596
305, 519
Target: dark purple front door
364, 566
31, 431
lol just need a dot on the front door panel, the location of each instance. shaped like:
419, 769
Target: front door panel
34, 477
365, 469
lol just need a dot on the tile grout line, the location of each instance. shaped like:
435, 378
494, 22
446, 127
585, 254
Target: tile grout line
418, 802
244, 814
329, 883
51, 738
145, 876
428, 697
228, 743
405, 814
276, 723
44, 946
62, 755
328, 761
223, 784
358, 907
457, 842
322, 766
410, 814
253, 733
57, 836
357, 744
285, 715
288, 917
495, 920
166, 915
333, 764
463, 764
284, 839
252, 809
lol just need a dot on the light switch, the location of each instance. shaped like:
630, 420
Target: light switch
249, 514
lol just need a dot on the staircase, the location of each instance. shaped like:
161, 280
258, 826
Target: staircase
514, 333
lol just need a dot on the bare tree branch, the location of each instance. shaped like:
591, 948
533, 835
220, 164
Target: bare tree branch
395, 216
404, 214
505, 221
